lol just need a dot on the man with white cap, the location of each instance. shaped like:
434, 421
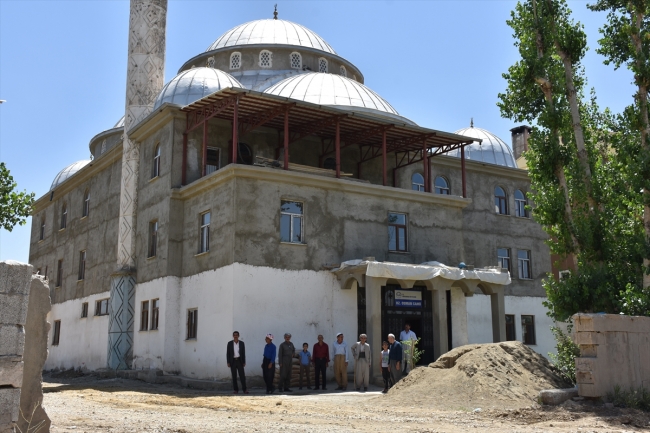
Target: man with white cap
286, 353
340, 356
268, 363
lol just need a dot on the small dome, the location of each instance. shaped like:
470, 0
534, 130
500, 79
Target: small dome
68, 172
492, 150
335, 91
194, 84
279, 32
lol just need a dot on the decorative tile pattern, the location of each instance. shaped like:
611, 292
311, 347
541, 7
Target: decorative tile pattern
120, 321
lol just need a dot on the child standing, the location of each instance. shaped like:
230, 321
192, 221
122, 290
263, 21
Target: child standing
305, 363
385, 374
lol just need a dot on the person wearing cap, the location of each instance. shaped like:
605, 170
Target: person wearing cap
236, 359
340, 355
321, 360
268, 363
286, 353
362, 357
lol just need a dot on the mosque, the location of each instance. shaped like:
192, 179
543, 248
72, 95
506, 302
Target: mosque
265, 189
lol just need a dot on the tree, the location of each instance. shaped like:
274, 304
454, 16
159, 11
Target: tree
15, 207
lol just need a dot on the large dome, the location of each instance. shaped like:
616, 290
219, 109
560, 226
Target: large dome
337, 91
492, 150
68, 172
194, 84
271, 31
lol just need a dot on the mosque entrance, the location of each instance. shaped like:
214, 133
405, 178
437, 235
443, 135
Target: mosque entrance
399, 306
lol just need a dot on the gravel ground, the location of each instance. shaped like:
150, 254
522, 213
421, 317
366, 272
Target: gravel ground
88, 404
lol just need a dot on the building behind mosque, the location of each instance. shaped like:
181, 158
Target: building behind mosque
330, 213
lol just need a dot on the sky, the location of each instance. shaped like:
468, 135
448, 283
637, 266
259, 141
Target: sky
439, 63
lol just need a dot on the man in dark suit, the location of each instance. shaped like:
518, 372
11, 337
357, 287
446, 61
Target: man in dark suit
236, 358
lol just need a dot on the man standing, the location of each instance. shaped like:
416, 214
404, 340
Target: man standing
286, 353
408, 335
268, 363
236, 358
321, 360
340, 355
362, 357
395, 359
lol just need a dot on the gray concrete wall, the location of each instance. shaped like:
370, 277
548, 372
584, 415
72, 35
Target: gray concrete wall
105, 141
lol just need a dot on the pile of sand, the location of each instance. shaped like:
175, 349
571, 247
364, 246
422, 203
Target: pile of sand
497, 375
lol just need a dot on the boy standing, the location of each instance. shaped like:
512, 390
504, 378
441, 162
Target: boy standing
305, 362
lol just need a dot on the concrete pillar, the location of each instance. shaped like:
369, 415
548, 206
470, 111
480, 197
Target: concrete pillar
458, 318
498, 315
373, 321
120, 321
440, 331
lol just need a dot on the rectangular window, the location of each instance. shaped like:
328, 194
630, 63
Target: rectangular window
144, 316
523, 260
42, 234
101, 307
153, 238
192, 321
59, 273
204, 232
510, 328
291, 222
82, 265
213, 161
154, 313
528, 329
503, 258
397, 223
57, 333
84, 309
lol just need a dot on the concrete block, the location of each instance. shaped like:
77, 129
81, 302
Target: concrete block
610, 323
589, 338
15, 277
12, 339
13, 308
10, 404
554, 397
11, 373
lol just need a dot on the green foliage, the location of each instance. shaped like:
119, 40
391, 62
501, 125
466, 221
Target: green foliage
15, 207
567, 352
411, 351
634, 398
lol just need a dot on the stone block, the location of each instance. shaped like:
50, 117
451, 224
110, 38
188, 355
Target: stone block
15, 277
13, 308
10, 404
610, 323
11, 372
12, 339
554, 397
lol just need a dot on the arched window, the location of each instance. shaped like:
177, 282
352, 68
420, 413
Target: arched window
520, 204
322, 65
266, 59
86, 206
155, 166
64, 216
296, 60
442, 185
210, 62
500, 201
235, 61
42, 233
244, 154
342, 71
329, 163
417, 182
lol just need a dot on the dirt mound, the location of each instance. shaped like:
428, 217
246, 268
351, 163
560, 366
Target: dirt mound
497, 375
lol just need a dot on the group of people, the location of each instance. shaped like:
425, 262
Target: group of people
391, 361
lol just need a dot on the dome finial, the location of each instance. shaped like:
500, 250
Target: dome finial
471, 123
275, 12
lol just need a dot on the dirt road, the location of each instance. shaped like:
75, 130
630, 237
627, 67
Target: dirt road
87, 404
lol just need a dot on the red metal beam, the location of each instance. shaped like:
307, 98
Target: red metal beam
198, 116
286, 138
255, 120
306, 129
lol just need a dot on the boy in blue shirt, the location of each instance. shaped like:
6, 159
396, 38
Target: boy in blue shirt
305, 362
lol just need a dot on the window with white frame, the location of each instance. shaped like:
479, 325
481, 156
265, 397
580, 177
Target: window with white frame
155, 166
342, 71
144, 316
503, 258
291, 222
86, 206
528, 329
296, 60
155, 309
101, 307
266, 59
523, 260
442, 185
84, 310
82, 265
500, 201
235, 60
520, 204
417, 182
322, 65
397, 232
153, 239
204, 232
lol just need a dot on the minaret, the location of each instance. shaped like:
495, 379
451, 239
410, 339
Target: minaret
144, 80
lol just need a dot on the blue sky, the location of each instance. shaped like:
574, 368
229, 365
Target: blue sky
63, 68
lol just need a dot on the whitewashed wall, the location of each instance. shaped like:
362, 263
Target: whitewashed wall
83, 342
479, 320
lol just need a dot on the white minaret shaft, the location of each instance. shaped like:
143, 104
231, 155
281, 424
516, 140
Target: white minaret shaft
144, 80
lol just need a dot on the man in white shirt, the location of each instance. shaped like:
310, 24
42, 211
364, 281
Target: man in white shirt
236, 359
340, 356
406, 335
